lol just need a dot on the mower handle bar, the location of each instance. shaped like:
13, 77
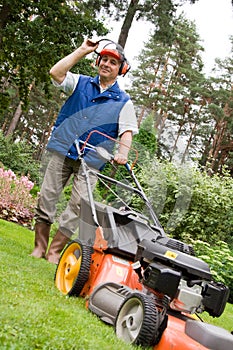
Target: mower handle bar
102, 152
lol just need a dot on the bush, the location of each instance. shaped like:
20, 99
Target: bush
189, 202
220, 260
16, 202
18, 156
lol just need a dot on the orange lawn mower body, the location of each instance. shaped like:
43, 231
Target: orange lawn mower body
148, 286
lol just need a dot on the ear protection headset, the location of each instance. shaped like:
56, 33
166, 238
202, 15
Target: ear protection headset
116, 51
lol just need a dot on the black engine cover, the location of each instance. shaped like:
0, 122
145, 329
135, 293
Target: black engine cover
215, 298
187, 264
162, 279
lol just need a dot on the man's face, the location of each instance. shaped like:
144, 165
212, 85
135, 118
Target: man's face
109, 67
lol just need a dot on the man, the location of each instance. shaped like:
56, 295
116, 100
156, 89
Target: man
93, 104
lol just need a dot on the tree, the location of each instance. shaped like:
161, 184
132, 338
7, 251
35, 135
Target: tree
171, 88
36, 122
218, 146
192, 113
158, 12
34, 34
169, 83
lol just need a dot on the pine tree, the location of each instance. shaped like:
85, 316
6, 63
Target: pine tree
168, 84
219, 148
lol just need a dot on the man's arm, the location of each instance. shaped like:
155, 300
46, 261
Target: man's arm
121, 157
59, 70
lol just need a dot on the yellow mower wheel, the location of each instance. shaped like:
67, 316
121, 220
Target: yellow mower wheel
73, 268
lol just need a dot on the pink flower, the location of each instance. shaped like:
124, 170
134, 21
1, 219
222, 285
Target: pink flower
16, 202
10, 174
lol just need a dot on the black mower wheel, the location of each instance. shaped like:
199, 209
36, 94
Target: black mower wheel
137, 321
73, 269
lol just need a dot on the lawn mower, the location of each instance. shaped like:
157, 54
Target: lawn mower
148, 286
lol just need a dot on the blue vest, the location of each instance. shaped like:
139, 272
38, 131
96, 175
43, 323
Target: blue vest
85, 110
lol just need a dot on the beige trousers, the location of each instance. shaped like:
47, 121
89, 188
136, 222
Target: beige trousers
58, 173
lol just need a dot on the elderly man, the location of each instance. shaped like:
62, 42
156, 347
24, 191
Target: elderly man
93, 104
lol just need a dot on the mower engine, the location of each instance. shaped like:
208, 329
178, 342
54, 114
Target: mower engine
184, 278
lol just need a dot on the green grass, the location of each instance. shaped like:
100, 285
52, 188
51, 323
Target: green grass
34, 314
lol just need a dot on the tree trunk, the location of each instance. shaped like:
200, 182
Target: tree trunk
127, 22
222, 144
191, 137
15, 119
45, 136
141, 116
4, 15
215, 151
174, 148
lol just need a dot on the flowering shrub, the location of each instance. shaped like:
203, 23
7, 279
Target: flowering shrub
16, 202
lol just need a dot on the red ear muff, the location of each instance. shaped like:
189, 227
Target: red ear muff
124, 68
97, 62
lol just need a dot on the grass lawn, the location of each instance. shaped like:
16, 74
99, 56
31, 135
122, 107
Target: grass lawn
33, 313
